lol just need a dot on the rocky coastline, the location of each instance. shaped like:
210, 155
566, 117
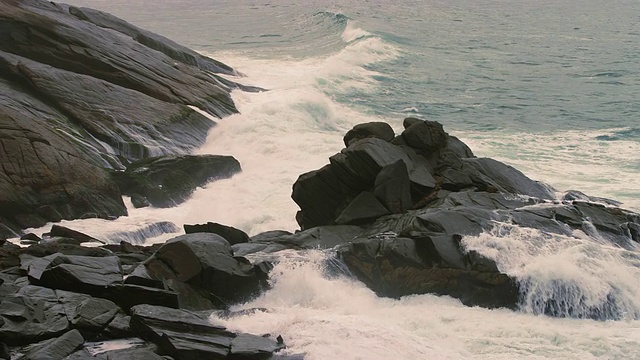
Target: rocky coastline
93, 108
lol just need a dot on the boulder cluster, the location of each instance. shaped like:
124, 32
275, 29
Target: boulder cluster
60, 297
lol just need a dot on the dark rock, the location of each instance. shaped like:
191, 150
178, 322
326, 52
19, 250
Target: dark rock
129, 354
56, 349
83, 91
401, 266
269, 235
119, 327
181, 333
578, 195
61, 231
201, 268
4, 351
252, 347
32, 314
9, 255
169, 180
392, 187
380, 130
30, 236
507, 179
82, 274
426, 136
139, 201
459, 148
94, 314
128, 295
365, 208
64, 246
231, 234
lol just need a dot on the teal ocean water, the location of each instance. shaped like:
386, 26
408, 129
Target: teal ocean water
550, 87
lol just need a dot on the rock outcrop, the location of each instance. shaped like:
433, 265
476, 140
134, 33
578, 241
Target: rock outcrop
82, 91
166, 181
418, 195
55, 306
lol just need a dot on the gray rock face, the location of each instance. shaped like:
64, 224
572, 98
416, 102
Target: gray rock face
81, 91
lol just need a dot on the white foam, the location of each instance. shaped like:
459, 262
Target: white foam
575, 276
337, 318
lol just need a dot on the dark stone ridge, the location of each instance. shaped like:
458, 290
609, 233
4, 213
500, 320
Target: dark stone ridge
68, 304
434, 192
231, 234
166, 181
82, 91
61, 231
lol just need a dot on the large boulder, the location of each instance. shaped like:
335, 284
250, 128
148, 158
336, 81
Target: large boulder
202, 269
169, 180
380, 130
396, 267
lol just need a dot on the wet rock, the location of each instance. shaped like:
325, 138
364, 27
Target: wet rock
231, 234
57, 348
425, 136
139, 201
392, 187
93, 314
169, 180
365, 208
30, 236
180, 333
61, 231
201, 268
82, 274
250, 347
9, 255
84, 91
380, 130
32, 314
402, 266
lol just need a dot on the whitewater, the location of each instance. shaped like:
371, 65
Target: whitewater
329, 66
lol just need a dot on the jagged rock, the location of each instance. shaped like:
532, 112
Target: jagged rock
180, 333
32, 314
252, 347
401, 266
365, 208
393, 188
56, 349
507, 179
31, 236
231, 234
61, 231
201, 268
82, 274
64, 246
380, 130
93, 314
139, 201
169, 180
425, 136
9, 255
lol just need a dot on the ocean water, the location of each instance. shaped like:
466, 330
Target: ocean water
550, 87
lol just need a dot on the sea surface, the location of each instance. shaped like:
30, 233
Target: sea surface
550, 87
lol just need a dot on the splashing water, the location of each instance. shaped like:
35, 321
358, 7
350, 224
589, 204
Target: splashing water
562, 275
335, 317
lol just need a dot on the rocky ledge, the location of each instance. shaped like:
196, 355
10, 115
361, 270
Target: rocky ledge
83, 92
61, 299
